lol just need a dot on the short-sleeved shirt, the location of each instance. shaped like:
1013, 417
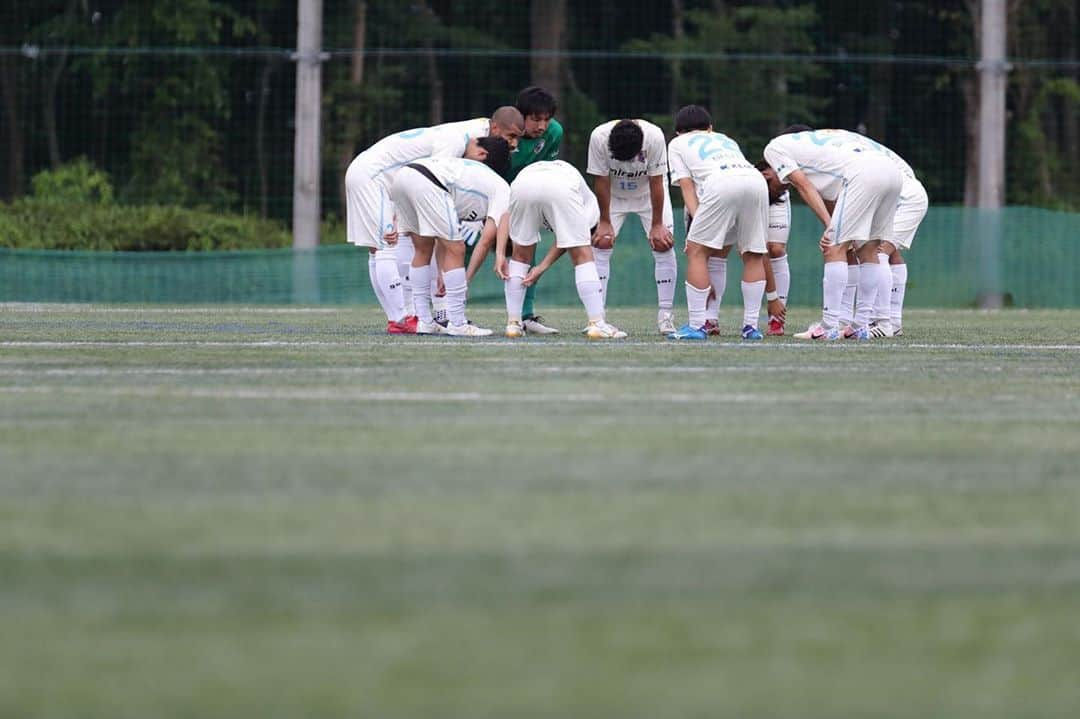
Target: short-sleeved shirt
629, 179
477, 191
388, 155
700, 154
536, 149
828, 158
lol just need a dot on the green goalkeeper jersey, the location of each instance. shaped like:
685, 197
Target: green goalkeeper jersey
529, 150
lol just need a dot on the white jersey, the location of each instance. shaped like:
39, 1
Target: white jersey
828, 157
700, 154
383, 159
477, 190
629, 179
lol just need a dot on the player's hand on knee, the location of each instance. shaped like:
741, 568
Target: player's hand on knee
660, 239
604, 237
532, 277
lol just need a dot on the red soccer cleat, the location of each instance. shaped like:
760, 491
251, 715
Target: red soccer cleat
711, 327
406, 327
776, 326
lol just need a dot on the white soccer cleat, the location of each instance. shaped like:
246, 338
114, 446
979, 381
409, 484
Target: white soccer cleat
603, 331
813, 332
429, 328
535, 326
467, 331
514, 329
898, 332
665, 323
881, 329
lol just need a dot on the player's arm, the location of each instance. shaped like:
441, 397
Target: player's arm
689, 194
502, 239
777, 308
534, 274
483, 246
604, 237
659, 236
810, 195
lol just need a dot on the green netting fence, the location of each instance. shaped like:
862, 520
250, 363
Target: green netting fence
1037, 265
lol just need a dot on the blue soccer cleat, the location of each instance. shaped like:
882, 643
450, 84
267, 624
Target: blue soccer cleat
749, 332
686, 332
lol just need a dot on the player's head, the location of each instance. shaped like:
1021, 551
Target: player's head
496, 153
508, 124
692, 117
625, 140
537, 106
792, 129
776, 187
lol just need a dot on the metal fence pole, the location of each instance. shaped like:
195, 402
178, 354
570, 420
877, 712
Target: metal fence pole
993, 80
307, 209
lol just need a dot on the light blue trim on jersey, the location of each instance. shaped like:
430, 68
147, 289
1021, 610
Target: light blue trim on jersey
382, 216
841, 205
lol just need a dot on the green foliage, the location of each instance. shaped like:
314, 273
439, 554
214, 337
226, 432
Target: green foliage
75, 182
749, 100
46, 224
1037, 173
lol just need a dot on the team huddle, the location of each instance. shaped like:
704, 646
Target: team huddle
431, 203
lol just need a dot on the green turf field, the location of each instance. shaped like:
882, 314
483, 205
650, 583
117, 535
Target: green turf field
265, 512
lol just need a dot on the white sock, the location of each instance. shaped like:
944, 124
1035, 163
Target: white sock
373, 276
847, 304
421, 277
696, 300
389, 283
869, 282
603, 267
882, 308
752, 292
666, 270
782, 273
899, 288
515, 291
590, 290
832, 291
404, 254
455, 295
438, 304
718, 279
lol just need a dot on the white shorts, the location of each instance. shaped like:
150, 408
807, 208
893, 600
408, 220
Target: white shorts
536, 203
642, 207
423, 208
779, 222
866, 206
909, 213
369, 211
733, 210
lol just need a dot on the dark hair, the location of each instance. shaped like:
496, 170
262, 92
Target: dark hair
692, 117
535, 100
791, 129
625, 140
498, 153
762, 165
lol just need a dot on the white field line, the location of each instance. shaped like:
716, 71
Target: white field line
324, 394
103, 371
518, 344
202, 311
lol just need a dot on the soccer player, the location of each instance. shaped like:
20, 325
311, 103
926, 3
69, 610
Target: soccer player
555, 196
540, 142
728, 203
914, 202
776, 241
431, 195
628, 161
370, 211
864, 184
